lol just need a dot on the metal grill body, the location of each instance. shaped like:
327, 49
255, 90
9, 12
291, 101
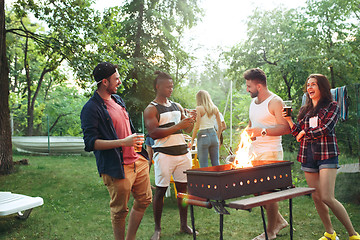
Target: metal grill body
223, 182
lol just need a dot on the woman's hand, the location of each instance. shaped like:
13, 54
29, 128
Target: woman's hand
288, 118
300, 135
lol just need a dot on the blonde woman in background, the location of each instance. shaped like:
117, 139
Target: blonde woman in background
207, 114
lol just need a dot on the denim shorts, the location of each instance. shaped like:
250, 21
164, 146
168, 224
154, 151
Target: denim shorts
314, 166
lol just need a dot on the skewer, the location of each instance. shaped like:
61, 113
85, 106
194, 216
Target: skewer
229, 150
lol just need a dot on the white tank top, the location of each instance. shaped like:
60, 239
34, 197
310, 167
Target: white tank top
207, 122
261, 117
173, 144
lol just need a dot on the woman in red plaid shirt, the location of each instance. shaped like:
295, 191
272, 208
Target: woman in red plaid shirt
318, 153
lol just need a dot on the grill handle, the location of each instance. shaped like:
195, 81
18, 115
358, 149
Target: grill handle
193, 200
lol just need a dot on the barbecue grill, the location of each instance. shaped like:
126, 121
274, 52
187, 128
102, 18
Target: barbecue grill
211, 186
224, 181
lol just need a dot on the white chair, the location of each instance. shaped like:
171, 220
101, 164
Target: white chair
11, 203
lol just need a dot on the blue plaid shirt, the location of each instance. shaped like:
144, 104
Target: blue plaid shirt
322, 138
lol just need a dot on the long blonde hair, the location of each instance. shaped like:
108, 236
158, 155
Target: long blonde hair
203, 99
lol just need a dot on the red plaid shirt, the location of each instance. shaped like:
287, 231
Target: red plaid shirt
322, 137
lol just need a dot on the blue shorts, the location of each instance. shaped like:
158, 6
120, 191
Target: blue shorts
314, 166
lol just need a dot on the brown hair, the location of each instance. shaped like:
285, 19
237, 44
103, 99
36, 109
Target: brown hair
325, 96
255, 74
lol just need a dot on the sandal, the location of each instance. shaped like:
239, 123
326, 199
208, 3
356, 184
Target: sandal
355, 237
328, 236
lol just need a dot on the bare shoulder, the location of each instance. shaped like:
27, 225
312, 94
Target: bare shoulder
150, 107
276, 100
150, 110
200, 109
276, 104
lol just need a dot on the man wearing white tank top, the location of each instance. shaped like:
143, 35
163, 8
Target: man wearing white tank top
266, 125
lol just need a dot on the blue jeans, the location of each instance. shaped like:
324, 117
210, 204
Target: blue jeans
207, 143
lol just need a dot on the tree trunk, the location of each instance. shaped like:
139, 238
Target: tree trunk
48, 88
31, 106
6, 162
30, 114
57, 120
13, 87
332, 75
32, 100
288, 86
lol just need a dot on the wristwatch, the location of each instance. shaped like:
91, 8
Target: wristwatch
263, 132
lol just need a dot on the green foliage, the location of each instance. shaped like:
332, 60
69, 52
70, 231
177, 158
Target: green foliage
19, 114
153, 30
42, 51
63, 107
105, 43
140, 35
291, 44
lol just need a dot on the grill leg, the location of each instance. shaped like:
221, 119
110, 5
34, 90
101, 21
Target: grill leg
221, 226
264, 223
291, 218
193, 221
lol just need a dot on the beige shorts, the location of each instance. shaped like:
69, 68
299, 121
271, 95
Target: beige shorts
167, 165
271, 156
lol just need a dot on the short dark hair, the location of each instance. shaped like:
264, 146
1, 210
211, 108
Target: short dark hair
255, 74
161, 76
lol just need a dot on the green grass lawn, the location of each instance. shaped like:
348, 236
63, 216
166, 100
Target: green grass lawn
76, 206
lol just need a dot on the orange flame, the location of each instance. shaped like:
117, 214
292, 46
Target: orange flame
243, 157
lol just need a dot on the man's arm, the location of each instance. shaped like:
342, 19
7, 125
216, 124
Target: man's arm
190, 128
197, 124
282, 127
152, 124
132, 140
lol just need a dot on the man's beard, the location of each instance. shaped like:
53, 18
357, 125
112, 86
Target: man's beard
254, 94
111, 90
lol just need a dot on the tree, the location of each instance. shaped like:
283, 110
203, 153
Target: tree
63, 106
6, 163
277, 43
333, 25
152, 31
67, 22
